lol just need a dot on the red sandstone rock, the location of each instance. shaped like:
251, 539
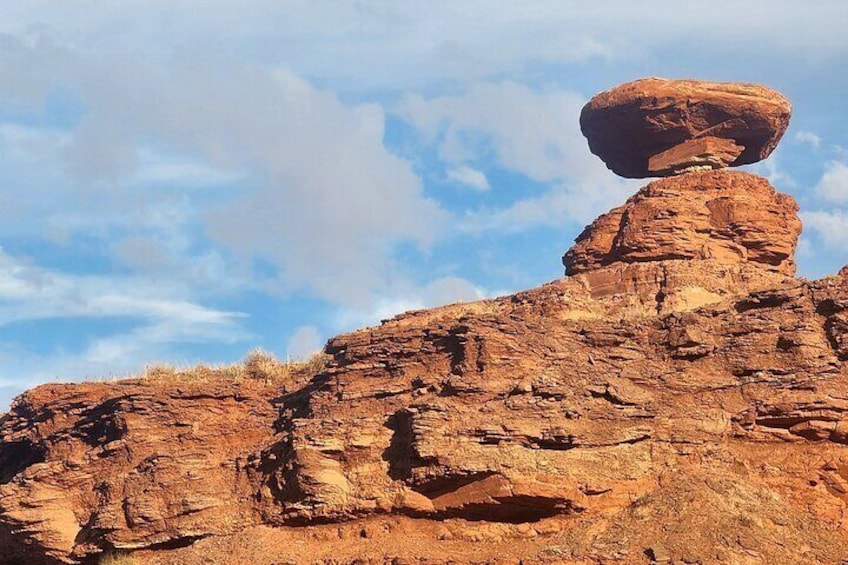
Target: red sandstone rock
690, 407
132, 464
726, 216
650, 127
702, 152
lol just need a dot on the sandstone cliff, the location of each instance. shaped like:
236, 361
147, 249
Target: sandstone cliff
680, 397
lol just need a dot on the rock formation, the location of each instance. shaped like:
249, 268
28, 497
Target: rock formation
725, 216
658, 127
679, 398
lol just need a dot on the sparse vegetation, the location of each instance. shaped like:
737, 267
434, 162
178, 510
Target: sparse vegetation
257, 366
316, 363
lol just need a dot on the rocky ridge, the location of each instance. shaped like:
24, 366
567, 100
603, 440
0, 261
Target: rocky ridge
680, 397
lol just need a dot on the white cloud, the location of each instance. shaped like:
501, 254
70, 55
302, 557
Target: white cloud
28, 292
448, 290
156, 167
118, 355
833, 185
352, 44
406, 297
773, 170
367, 45
150, 223
158, 316
304, 342
535, 133
318, 196
808, 137
804, 249
831, 226
560, 205
141, 252
469, 177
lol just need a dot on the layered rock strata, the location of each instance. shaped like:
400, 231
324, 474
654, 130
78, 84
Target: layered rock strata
540, 423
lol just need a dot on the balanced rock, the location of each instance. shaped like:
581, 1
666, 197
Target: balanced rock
658, 127
724, 216
680, 397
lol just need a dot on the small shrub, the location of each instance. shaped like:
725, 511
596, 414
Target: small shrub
316, 363
118, 558
263, 366
159, 371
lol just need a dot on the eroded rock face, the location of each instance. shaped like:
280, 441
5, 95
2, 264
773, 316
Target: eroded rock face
726, 217
134, 464
659, 127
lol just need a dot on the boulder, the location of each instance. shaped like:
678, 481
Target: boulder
657, 127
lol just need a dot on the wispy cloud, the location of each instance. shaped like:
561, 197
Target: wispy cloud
469, 177
807, 137
833, 186
28, 292
378, 45
158, 318
319, 197
831, 226
531, 132
304, 342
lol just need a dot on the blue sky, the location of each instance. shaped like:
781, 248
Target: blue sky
185, 181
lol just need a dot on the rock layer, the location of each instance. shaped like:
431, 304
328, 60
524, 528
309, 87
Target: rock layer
659, 127
133, 464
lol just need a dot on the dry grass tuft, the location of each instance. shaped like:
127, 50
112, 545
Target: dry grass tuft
258, 366
263, 366
316, 364
118, 558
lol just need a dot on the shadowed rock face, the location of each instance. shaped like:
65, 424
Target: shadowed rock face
659, 127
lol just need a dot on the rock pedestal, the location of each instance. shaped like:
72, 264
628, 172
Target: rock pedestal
704, 233
724, 216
